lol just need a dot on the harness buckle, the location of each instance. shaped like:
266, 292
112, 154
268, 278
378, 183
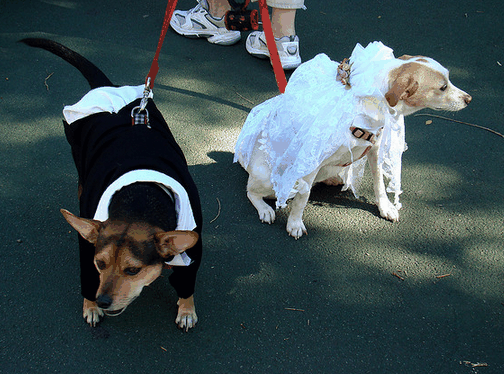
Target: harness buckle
361, 133
140, 116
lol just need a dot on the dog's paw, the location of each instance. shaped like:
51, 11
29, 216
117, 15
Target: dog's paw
267, 214
296, 228
186, 317
388, 210
91, 312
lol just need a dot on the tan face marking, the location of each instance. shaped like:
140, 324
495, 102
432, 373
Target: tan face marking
421, 86
122, 274
128, 256
416, 58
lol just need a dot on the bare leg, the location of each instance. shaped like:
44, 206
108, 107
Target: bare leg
283, 22
217, 8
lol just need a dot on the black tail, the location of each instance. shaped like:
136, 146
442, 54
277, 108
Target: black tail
93, 75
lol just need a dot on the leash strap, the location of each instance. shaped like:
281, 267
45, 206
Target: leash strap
170, 8
273, 51
140, 115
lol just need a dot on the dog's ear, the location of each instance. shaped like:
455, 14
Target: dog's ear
87, 228
404, 85
173, 243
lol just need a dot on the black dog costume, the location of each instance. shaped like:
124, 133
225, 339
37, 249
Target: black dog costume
106, 146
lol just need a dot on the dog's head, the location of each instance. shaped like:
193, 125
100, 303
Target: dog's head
128, 256
421, 82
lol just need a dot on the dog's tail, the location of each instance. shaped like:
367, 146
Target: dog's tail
94, 76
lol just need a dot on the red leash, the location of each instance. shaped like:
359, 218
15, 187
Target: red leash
139, 114
273, 51
170, 8
270, 41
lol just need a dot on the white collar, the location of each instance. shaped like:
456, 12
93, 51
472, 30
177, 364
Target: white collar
185, 220
103, 99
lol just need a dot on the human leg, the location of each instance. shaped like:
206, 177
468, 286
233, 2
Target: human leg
283, 18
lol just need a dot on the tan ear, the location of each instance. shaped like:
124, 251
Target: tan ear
404, 86
87, 228
173, 243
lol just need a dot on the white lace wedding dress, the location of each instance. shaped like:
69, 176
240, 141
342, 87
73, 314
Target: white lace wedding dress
310, 121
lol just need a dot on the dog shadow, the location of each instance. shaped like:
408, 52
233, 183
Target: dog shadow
321, 194
333, 196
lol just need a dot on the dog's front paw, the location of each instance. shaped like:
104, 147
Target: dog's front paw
91, 312
266, 214
388, 210
186, 317
296, 228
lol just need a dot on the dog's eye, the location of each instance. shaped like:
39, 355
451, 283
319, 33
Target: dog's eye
132, 271
444, 87
100, 265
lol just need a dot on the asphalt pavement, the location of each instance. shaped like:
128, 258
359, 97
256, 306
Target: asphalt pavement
358, 294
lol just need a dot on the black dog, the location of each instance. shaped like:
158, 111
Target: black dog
139, 207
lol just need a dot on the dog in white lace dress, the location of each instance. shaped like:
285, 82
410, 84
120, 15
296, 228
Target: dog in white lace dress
324, 128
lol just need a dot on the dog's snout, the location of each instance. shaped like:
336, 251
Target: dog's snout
104, 301
467, 99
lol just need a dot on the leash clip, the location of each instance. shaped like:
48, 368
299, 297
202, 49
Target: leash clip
140, 114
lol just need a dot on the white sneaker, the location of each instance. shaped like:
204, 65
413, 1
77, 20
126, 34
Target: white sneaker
288, 48
198, 23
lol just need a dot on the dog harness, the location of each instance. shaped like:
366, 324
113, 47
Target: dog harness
362, 134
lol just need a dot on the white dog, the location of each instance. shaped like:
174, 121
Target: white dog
331, 119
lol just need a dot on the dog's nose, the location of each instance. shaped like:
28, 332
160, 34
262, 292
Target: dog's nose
104, 301
467, 99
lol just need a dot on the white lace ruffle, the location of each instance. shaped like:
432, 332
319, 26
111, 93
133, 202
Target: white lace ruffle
301, 128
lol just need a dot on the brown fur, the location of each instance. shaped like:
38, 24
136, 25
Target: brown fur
415, 84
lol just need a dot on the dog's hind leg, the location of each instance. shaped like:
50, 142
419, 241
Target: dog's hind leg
256, 196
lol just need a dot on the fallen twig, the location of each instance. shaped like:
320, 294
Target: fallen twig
244, 98
295, 309
164, 349
218, 211
475, 365
397, 275
45, 81
442, 276
463, 123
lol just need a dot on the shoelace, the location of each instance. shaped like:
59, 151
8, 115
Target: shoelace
197, 9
